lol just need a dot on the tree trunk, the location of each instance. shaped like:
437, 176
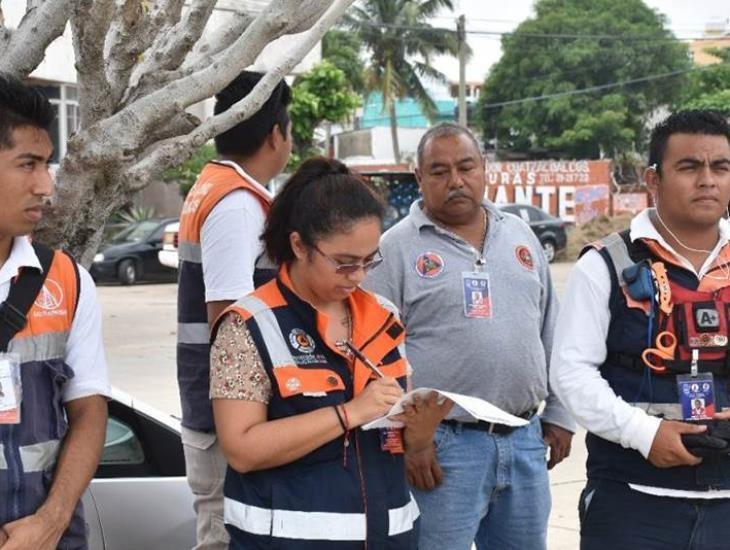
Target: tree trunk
86, 196
394, 133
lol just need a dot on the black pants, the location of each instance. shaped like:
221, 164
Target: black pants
615, 517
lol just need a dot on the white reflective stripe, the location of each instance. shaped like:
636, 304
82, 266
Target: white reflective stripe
670, 411
319, 526
3, 463
250, 519
287, 524
40, 456
41, 347
190, 252
193, 333
270, 332
401, 520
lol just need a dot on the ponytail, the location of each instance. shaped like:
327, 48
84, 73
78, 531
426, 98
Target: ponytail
321, 198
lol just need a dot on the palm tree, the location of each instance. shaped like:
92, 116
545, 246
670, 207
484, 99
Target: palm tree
401, 44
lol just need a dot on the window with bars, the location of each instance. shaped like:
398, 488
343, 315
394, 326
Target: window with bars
64, 98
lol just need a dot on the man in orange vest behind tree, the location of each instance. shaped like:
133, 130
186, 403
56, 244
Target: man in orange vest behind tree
221, 260
52, 367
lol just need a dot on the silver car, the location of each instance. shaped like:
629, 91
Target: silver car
139, 498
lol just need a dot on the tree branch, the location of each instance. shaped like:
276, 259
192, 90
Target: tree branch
176, 150
132, 32
22, 50
170, 48
138, 119
91, 19
218, 40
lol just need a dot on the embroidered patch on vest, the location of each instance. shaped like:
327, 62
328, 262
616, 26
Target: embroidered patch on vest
524, 256
50, 300
301, 341
429, 265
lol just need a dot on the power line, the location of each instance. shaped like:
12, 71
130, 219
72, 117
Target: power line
559, 36
592, 89
567, 93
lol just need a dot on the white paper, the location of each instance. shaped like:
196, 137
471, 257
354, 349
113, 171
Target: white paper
478, 408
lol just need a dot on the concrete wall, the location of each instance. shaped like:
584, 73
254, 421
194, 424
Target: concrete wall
376, 146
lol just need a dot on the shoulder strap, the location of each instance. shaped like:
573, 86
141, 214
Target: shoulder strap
23, 292
78, 280
622, 252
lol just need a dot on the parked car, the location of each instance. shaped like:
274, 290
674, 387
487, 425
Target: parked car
132, 254
168, 255
139, 497
549, 229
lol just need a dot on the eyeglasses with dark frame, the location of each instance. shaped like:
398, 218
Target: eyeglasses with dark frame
349, 269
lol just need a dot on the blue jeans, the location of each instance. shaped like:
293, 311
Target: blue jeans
614, 516
495, 491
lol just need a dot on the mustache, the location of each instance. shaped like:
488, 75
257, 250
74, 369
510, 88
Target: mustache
456, 194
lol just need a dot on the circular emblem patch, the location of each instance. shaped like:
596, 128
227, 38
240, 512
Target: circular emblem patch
293, 384
332, 381
51, 296
524, 256
301, 341
429, 265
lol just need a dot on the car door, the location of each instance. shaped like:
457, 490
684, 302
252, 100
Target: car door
140, 495
150, 250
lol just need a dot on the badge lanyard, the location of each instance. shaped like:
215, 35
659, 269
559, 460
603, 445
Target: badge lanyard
696, 392
476, 297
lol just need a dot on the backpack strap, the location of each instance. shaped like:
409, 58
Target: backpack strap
78, 280
23, 292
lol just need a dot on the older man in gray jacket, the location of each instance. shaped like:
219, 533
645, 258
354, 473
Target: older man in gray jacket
476, 297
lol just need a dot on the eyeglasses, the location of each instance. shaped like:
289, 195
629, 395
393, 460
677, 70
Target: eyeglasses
349, 269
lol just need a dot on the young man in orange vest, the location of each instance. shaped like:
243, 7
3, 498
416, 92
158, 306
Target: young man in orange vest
220, 261
52, 366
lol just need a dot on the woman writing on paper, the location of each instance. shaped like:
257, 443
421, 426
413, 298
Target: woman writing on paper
289, 395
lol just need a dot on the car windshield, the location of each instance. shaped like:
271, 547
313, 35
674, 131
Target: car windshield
136, 232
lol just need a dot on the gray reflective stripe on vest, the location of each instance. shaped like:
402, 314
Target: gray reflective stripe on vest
670, 411
289, 524
193, 333
616, 248
190, 252
270, 332
40, 456
41, 347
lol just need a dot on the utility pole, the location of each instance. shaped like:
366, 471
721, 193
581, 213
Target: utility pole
461, 37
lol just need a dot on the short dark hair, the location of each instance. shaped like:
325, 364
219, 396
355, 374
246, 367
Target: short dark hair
21, 105
247, 137
445, 129
321, 198
701, 121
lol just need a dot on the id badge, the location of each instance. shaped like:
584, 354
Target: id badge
477, 300
10, 388
697, 396
391, 440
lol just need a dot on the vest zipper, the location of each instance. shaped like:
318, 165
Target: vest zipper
362, 485
12, 457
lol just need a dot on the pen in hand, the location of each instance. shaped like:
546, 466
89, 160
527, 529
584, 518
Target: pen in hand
367, 362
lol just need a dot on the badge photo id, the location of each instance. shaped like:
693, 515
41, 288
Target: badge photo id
696, 396
476, 297
9, 389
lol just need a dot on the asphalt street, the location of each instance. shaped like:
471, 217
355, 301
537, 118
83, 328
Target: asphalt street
139, 335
